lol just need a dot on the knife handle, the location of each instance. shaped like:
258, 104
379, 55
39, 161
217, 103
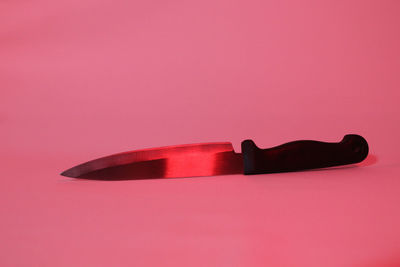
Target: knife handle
303, 155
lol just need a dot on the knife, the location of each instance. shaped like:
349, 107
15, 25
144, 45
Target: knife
208, 159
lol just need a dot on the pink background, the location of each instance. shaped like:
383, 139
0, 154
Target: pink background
84, 79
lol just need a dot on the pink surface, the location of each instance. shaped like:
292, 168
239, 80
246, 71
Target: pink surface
84, 79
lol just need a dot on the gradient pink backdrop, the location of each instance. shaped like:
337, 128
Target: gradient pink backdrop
84, 79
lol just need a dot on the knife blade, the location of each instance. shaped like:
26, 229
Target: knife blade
209, 159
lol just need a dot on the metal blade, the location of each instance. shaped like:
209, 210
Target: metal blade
166, 162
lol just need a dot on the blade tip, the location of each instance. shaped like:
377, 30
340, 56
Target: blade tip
68, 173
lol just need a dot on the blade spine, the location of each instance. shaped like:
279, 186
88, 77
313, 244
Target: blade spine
169, 147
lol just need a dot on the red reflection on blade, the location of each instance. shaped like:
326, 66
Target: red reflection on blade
190, 165
204, 164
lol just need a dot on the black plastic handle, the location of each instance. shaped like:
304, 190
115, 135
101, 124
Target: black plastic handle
303, 155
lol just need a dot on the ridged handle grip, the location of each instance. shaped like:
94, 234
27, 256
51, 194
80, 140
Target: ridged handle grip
303, 155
